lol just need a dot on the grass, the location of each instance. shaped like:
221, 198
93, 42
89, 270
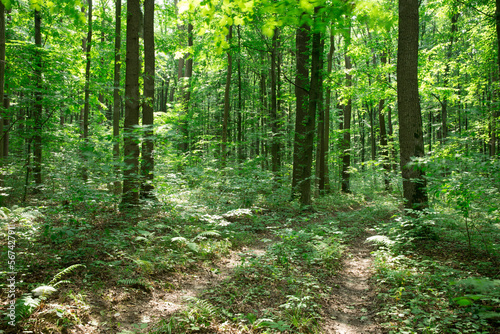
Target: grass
430, 278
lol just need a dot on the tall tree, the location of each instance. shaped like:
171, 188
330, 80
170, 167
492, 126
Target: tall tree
346, 130
38, 112
86, 107
130, 196
227, 101
147, 162
116, 94
411, 140
2, 87
275, 159
302, 118
326, 130
324, 125
496, 113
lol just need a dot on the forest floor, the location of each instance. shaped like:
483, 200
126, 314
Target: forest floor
259, 270
353, 304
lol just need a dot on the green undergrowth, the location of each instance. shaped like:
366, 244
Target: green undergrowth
280, 290
431, 280
284, 289
165, 243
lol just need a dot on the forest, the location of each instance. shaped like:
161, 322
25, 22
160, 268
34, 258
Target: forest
249, 166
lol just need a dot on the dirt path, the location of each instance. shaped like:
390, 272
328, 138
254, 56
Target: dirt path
353, 303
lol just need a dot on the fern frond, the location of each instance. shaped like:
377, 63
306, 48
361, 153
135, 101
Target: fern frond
207, 234
380, 240
201, 306
179, 239
44, 291
61, 282
193, 246
4, 212
64, 272
135, 283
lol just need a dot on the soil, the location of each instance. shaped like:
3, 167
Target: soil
352, 305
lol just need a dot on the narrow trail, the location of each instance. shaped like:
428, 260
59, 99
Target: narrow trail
353, 300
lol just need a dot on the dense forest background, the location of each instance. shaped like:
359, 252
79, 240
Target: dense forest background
145, 121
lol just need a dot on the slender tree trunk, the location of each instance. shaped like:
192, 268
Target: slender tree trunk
38, 110
496, 113
411, 139
225, 120
321, 163
371, 113
130, 196
117, 97
302, 118
383, 144
147, 162
326, 139
314, 105
239, 125
275, 140
6, 124
3, 111
346, 142
86, 107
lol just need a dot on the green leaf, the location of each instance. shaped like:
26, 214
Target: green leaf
463, 301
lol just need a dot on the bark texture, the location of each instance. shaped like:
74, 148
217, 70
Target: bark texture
130, 196
147, 162
411, 140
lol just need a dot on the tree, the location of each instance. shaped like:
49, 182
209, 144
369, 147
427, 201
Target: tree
116, 94
275, 145
147, 163
86, 108
38, 109
130, 196
345, 146
227, 101
303, 120
411, 140
2, 87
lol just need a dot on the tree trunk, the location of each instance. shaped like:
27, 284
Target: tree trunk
302, 118
383, 144
86, 107
227, 101
322, 126
371, 113
346, 141
239, 126
130, 196
410, 119
147, 162
37, 138
310, 120
326, 134
274, 107
3, 136
117, 97
6, 124
496, 113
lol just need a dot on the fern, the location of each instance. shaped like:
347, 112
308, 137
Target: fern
49, 288
26, 305
200, 312
62, 273
380, 240
207, 234
191, 244
44, 291
135, 283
